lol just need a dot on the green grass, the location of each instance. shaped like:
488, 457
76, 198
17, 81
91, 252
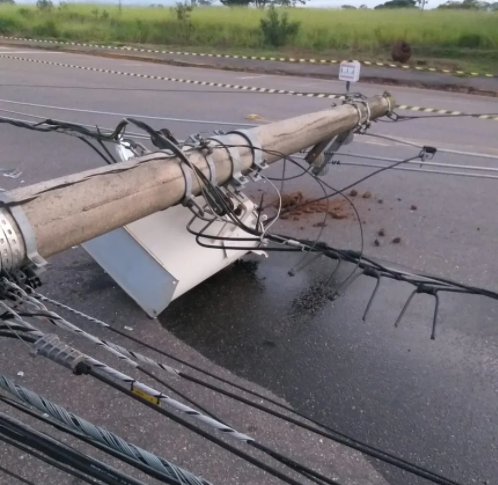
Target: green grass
463, 37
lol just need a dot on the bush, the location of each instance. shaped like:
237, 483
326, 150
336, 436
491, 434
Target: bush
472, 41
44, 5
47, 29
8, 25
277, 28
183, 11
25, 12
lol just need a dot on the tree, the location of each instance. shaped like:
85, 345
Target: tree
277, 28
44, 5
236, 3
348, 7
12, 2
287, 3
466, 5
398, 4
262, 3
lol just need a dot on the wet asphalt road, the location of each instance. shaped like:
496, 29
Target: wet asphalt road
433, 402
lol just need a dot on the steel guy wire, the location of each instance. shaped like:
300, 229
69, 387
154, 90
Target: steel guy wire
321, 429
225, 123
176, 474
212, 421
124, 115
428, 164
117, 350
416, 170
19, 433
60, 322
421, 170
53, 349
442, 150
135, 384
45, 418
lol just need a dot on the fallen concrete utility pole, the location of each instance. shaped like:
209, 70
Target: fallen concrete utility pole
49, 217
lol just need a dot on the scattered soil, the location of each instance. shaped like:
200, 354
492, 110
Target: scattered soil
297, 206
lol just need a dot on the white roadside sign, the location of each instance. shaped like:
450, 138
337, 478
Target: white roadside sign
349, 71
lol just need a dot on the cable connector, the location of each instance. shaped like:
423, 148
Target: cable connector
51, 347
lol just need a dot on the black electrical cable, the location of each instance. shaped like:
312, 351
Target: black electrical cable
351, 185
57, 450
298, 467
304, 470
370, 175
16, 476
48, 460
95, 149
331, 433
86, 369
26, 338
111, 451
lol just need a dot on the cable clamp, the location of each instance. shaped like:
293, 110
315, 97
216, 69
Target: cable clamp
238, 179
363, 126
28, 235
258, 161
197, 141
208, 155
387, 95
188, 198
51, 347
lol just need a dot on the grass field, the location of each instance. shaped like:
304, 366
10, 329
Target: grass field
460, 37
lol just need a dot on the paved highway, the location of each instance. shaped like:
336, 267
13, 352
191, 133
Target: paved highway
433, 402
408, 77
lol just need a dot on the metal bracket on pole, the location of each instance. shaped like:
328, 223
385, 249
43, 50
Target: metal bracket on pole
212, 167
320, 155
258, 161
28, 236
188, 198
238, 179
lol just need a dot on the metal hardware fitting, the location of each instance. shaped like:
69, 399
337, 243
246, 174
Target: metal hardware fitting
238, 179
28, 236
258, 161
320, 155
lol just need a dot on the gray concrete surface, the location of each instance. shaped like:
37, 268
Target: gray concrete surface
409, 77
432, 402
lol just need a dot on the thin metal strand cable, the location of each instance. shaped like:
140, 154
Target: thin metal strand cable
48, 460
175, 473
422, 170
64, 453
335, 436
125, 115
428, 164
107, 449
